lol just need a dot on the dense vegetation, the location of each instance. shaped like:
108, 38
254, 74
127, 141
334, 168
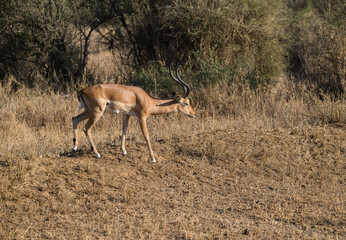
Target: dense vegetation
47, 42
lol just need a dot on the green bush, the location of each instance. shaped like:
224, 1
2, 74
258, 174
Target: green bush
317, 45
227, 34
45, 43
251, 42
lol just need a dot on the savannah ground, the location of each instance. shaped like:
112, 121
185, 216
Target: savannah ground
256, 166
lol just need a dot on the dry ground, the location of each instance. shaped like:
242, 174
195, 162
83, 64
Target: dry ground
216, 178
250, 166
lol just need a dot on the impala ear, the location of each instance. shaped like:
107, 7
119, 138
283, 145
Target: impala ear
179, 99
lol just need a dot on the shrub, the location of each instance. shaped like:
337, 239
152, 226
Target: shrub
317, 50
231, 34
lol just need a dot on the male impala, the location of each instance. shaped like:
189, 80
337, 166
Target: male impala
131, 101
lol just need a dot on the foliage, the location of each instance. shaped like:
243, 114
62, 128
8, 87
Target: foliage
317, 47
231, 33
34, 41
252, 42
45, 42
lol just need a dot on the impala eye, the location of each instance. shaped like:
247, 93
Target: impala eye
185, 104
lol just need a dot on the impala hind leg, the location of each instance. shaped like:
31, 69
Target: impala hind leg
125, 124
75, 121
87, 128
143, 125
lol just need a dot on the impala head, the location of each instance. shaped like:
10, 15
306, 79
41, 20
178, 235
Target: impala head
184, 102
185, 107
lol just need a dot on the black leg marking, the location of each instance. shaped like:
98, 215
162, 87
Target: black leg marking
74, 140
92, 149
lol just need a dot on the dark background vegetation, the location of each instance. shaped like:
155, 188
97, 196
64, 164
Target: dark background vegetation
47, 42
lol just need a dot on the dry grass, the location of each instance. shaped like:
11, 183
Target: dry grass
265, 166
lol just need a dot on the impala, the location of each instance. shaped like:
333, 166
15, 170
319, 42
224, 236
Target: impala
130, 101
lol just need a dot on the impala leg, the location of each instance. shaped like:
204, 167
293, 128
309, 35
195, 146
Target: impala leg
143, 125
75, 121
87, 128
125, 124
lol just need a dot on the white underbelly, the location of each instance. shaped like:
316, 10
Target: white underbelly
117, 107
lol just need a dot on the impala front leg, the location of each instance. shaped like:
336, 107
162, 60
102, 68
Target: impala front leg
143, 125
125, 124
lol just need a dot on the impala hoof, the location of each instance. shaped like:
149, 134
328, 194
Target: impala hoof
154, 161
98, 155
124, 152
74, 149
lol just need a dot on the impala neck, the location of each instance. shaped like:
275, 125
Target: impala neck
164, 106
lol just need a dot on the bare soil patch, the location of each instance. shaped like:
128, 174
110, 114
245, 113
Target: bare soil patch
221, 183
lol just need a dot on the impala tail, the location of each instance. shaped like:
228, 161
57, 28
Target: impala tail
81, 101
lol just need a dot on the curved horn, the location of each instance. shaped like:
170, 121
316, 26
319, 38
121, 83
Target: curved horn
176, 79
187, 88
